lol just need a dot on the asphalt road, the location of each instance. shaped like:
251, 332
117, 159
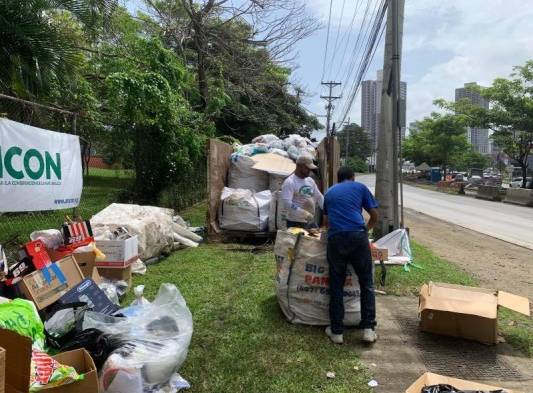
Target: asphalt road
511, 223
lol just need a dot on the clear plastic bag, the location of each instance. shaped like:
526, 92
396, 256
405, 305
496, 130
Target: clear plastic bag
157, 337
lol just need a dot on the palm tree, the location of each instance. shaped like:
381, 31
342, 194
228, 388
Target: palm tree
34, 49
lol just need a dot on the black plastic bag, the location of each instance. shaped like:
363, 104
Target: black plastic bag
451, 389
98, 344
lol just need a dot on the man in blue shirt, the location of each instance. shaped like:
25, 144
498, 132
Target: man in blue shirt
348, 244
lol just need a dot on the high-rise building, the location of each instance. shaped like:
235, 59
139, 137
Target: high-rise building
477, 137
371, 107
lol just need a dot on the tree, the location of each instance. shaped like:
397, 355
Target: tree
510, 114
354, 142
470, 159
438, 140
36, 52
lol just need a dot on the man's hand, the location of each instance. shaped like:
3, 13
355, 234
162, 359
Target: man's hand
373, 218
309, 216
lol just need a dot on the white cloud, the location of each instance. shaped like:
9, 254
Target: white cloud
446, 44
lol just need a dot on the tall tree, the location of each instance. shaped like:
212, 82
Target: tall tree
439, 140
510, 114
354, 142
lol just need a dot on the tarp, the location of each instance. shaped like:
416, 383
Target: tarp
397, 243
423, 167
39, 169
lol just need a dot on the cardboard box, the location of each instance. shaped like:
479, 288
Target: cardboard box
114, 273
118, 253
2, 370
87, 263
87, 291
429, 379
379, 254
35, 288
18, 363
466, 312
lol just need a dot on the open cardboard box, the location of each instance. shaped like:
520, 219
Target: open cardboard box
86, 262
429, 379
466, 312
18, 363
118, 253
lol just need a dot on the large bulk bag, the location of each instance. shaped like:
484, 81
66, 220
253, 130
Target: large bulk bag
275, 182
302, 281
242, 175
244, 210
277, 218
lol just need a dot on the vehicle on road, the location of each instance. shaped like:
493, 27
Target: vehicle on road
517, 182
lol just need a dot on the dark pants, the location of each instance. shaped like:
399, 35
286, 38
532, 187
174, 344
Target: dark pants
350, 248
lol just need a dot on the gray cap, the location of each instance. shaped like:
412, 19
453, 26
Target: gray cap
307, 160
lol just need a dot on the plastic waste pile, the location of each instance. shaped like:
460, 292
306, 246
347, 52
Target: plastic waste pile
159, 230
244, 203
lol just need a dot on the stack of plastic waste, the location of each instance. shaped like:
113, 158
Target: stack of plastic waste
244, 210
159, 231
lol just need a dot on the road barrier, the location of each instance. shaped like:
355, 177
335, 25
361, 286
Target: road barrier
491, 193
519, 196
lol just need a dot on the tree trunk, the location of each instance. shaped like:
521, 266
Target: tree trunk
524, 174
202, 77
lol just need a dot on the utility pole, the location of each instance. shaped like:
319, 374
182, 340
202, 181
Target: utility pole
387, 165
329, 106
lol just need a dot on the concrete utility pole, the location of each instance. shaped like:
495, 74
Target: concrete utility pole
329, 106
387, 165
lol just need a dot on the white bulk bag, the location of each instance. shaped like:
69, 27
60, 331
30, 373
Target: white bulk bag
242, 175
302, 282
275, 182
398, 245
244, 210
277, 219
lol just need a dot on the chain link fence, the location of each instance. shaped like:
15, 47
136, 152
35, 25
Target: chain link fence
103, 183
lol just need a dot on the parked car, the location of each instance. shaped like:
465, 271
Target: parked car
517, 182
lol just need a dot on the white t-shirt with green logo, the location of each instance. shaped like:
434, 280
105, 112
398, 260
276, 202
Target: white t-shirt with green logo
300, 196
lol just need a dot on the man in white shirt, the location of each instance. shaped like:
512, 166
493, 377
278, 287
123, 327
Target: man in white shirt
300, 195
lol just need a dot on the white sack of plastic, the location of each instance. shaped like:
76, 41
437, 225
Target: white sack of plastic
244, 210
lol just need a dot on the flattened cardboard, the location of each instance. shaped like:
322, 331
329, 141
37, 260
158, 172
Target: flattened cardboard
18, 361
466, 312
274, 164
36, 289
513, 302
2, 370
118, 253
429, 379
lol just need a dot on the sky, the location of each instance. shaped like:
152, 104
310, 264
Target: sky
445, 44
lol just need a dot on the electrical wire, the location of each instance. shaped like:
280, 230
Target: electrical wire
337, 35
345, 38
327, 41
374, 38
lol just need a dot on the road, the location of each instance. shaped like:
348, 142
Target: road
511, 223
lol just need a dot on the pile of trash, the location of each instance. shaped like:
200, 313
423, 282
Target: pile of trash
252, 201
60, 295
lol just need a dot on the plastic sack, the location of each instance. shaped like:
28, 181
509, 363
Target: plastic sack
110, 291
243, 175
293, 152
47, 372
52, 238
280, 152
21, 316
138, 267
62, 322
267, 138
98, 344
157, 337
277, 217
251, 149
451, 389
295, 140
275, 182
398, 245
302, 281
244, 210
3, 261
140, 300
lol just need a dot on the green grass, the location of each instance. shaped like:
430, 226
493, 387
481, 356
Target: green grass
195, 214
517, 330
241, 341
98, 192
431, 268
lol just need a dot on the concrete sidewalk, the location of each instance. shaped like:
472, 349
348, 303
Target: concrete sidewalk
403, 353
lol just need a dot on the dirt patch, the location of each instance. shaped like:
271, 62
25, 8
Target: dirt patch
493, 262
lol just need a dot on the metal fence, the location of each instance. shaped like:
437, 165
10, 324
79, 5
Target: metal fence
103, 184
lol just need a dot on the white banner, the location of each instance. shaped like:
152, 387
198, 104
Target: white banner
39, 169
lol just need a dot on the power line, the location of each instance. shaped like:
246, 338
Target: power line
337, 35
327, 41
344, 38
376, 33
